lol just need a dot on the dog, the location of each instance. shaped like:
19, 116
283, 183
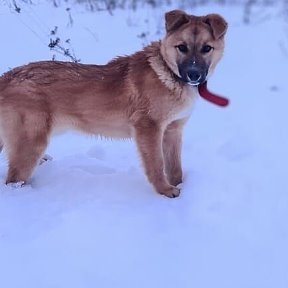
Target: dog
147, 96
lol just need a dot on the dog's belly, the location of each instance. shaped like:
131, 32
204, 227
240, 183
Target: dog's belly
113, 127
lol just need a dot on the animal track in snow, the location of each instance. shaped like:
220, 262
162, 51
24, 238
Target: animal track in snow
95, 169
97, 152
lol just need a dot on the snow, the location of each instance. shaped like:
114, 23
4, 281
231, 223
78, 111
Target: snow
89, 218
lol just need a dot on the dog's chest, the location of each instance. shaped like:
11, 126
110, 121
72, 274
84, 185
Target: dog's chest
184, 108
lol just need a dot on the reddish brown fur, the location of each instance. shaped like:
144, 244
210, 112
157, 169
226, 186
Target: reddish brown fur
135, 96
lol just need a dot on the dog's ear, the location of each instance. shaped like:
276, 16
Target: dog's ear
174, 19
217, 23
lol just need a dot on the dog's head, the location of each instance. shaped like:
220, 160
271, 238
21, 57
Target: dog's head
193, 45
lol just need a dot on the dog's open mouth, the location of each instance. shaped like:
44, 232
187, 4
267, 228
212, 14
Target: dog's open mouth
193, 83
209, 96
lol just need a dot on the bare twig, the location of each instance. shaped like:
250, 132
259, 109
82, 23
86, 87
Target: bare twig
70, 23
55, 45
16, 7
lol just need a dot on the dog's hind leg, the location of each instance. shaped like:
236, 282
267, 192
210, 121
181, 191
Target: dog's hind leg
23, 156
1, 145
25, 143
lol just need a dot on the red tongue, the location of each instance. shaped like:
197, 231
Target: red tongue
216, 99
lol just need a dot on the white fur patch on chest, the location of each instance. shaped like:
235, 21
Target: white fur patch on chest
185, 110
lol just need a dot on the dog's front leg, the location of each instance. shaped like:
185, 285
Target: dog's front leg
149, 138
172, 142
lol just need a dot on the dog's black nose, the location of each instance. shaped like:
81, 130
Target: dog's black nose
194, 75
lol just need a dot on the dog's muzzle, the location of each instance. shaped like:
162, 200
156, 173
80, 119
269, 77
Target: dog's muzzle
195, 77
193, 74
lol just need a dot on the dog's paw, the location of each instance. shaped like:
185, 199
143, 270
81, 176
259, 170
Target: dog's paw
16, 185
175, 181
171, 192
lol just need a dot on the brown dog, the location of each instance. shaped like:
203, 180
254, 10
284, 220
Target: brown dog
147, 96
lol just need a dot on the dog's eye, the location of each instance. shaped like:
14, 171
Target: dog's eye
182, 48
206, 49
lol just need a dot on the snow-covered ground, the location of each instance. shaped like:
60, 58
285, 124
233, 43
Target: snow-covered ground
89, 218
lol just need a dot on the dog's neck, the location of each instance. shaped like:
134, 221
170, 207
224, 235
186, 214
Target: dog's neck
172, 81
